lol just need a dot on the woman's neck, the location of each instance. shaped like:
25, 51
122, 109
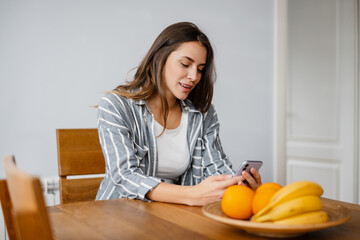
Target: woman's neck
174, 115
155, 102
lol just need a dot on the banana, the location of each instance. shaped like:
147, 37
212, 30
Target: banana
305, 218
290, 208
289, 192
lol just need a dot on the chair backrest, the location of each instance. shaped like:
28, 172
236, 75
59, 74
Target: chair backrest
7, 209
79, 153
29, 211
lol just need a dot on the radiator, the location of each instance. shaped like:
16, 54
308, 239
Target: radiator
50, 187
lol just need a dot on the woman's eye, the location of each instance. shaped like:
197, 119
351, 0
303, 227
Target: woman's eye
200, 70
184, 65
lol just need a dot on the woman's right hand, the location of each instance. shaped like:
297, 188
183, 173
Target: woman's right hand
211, 189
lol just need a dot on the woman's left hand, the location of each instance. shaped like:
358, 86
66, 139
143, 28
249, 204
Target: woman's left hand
253, 181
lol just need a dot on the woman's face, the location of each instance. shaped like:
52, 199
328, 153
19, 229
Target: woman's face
182, 70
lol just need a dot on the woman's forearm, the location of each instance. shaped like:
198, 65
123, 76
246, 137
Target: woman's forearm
209, 190
171, 193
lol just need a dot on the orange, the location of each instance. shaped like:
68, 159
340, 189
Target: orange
237, 202
263, 195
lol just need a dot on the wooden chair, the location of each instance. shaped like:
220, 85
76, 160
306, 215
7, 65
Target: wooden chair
7, 209
79, 153
29, 211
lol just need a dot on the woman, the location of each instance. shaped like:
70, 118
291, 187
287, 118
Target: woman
160, 134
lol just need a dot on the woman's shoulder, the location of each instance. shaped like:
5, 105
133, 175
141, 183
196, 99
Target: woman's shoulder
210, 117
114, 100
210, 112
211, 108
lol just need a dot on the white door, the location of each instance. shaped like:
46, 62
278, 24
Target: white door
321, 96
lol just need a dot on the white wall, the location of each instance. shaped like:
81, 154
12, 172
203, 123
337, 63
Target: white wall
57, 58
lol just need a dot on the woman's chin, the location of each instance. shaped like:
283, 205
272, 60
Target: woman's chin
182, 97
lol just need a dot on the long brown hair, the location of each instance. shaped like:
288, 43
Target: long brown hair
148, 80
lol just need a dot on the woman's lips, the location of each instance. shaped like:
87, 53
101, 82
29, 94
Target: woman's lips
186, 87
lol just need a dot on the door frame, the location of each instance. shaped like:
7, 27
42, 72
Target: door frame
280, 72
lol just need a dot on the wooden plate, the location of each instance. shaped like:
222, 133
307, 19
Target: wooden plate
337, 213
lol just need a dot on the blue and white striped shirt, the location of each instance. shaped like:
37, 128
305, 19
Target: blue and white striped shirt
126, 132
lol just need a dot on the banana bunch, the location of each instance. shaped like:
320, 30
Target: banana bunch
296, 203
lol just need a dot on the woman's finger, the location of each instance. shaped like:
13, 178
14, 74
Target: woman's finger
228, 182
220, 177
256, 176
244, 183
250, 180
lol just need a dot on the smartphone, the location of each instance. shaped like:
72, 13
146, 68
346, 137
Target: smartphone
247, 165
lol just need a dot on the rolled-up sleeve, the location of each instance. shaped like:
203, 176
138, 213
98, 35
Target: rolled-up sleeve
215, 161
122, 155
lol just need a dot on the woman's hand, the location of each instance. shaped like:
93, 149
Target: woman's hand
253, 181
212, 189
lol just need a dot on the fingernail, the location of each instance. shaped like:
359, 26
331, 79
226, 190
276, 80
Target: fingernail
228, 176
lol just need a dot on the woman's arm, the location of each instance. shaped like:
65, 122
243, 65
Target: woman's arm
124, 176
209, 190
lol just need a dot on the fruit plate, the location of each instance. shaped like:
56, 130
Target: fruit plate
337, 214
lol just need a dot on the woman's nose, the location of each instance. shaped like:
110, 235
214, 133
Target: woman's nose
192, 74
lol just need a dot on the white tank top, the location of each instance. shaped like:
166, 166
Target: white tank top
173, 150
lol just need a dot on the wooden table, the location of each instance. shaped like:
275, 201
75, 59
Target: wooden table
135, 219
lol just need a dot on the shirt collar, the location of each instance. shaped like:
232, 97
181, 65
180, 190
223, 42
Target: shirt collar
185, 104
139, 102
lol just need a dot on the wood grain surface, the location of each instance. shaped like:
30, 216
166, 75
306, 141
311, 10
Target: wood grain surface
135, 219
79, 154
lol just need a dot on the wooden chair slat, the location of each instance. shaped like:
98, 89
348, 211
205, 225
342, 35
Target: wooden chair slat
82, 163
79, 190
29, 211
79, 153
7, 209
